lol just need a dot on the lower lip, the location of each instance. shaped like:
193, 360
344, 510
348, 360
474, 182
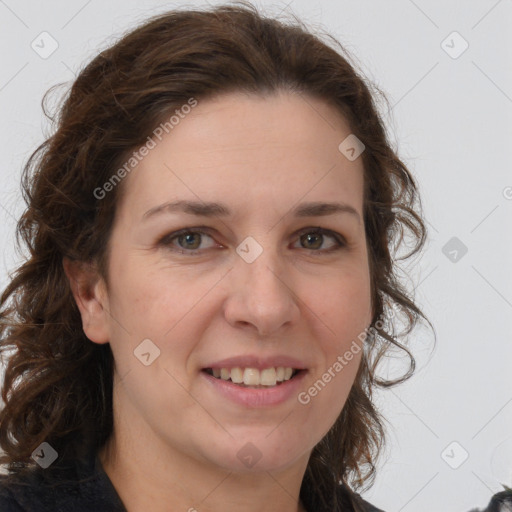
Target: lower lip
257, 397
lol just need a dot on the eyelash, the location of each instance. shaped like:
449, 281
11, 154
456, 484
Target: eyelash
166, 240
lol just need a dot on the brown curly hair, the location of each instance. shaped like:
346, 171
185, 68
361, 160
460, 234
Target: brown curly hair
58, 385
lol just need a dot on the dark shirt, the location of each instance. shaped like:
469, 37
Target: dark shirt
82, 487
85, 487
500, 502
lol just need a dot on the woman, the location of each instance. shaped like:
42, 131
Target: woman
211, 280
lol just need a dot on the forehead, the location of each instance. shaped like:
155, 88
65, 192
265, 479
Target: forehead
250, 151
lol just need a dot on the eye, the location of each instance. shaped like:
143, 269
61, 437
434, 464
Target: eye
189, 240
313, 238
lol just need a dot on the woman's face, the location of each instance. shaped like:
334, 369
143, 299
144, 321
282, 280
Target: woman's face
248, 286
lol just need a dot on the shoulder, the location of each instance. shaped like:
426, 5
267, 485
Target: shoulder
363, 506
500, 502
12, 490
9, 504
77, 488
349, 500
28, 491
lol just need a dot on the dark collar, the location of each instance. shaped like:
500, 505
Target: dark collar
83, 485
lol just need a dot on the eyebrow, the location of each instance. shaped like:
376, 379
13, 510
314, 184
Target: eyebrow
212, 209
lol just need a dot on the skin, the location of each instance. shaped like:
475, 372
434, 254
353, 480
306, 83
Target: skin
176, 439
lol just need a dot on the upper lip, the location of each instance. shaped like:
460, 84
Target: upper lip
260, 363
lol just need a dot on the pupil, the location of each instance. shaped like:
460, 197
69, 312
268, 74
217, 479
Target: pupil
187, 238
309, 237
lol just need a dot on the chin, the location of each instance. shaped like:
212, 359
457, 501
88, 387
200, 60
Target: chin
249, 454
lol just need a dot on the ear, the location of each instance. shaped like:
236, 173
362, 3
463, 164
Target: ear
90, 293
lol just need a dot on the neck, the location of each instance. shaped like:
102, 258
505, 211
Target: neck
151, 481
151, 473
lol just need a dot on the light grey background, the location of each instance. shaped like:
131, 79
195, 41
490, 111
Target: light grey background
451, 119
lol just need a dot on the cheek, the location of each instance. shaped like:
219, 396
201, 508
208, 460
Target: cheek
165, 304
149, 296
344, 303
321, 402
345, 307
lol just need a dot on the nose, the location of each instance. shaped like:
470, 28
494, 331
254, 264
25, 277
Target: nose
261, 298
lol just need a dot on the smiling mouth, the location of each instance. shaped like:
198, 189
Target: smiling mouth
254, 378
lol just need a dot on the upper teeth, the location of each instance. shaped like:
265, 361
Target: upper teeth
253, 376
